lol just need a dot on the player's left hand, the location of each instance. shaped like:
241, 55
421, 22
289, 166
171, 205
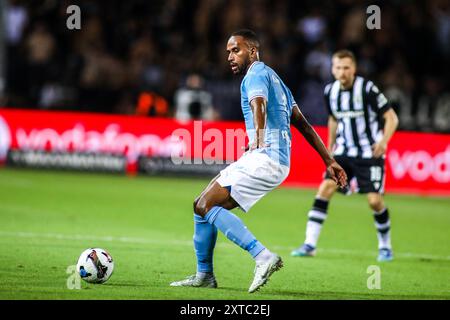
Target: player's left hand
258, 145
379, 149
337, 174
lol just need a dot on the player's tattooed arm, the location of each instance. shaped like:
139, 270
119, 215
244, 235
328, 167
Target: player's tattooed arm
302, 125
259, 110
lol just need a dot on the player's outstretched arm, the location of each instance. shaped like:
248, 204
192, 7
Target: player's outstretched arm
334, 169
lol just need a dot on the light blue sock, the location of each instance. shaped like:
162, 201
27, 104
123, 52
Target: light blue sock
205, 236
234, 229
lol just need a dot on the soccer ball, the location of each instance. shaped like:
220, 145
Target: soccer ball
95, 265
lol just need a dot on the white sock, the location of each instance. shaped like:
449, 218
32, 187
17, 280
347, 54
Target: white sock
312, 233
384, 240
383, 223
263, 256
202, 275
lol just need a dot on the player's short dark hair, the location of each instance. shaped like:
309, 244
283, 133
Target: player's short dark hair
248, 35
344, 53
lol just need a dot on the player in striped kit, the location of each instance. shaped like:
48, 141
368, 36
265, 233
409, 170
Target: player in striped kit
360, 125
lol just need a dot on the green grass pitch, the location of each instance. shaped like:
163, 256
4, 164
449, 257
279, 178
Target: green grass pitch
48, 218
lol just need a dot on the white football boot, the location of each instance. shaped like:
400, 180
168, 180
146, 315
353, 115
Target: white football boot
194, 281
264, 270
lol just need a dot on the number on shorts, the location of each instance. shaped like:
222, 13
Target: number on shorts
375, 173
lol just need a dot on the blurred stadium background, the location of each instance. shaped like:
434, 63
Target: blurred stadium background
107, 97
127, 50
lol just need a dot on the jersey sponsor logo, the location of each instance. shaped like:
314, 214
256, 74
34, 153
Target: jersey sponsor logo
5, 138
348, 114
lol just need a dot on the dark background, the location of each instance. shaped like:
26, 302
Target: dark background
134, 56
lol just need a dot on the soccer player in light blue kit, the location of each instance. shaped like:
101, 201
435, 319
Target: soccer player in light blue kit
268, 108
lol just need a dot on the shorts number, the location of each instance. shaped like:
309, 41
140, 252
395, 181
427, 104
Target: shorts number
375, 173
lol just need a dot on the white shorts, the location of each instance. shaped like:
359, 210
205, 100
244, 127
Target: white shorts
251, 177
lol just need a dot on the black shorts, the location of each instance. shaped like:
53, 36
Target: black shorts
369, 174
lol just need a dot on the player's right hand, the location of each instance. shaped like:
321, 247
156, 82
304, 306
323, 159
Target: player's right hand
379, 149
337, 174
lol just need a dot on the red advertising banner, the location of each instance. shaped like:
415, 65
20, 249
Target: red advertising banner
416, 162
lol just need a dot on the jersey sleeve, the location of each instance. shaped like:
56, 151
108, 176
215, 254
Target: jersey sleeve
257, 85
376, 98
326, 96
292, 100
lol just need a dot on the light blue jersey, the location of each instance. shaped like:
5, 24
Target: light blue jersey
262, 81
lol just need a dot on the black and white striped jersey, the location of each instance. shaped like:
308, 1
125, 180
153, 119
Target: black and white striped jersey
358, 112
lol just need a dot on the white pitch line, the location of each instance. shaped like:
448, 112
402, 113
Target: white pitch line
134, 240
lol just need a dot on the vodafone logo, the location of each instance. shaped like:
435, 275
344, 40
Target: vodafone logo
110, 140
5, 139
420, 165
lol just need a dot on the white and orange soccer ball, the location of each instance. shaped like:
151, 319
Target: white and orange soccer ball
95, 265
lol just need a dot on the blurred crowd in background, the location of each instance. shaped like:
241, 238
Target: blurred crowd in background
168, 58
